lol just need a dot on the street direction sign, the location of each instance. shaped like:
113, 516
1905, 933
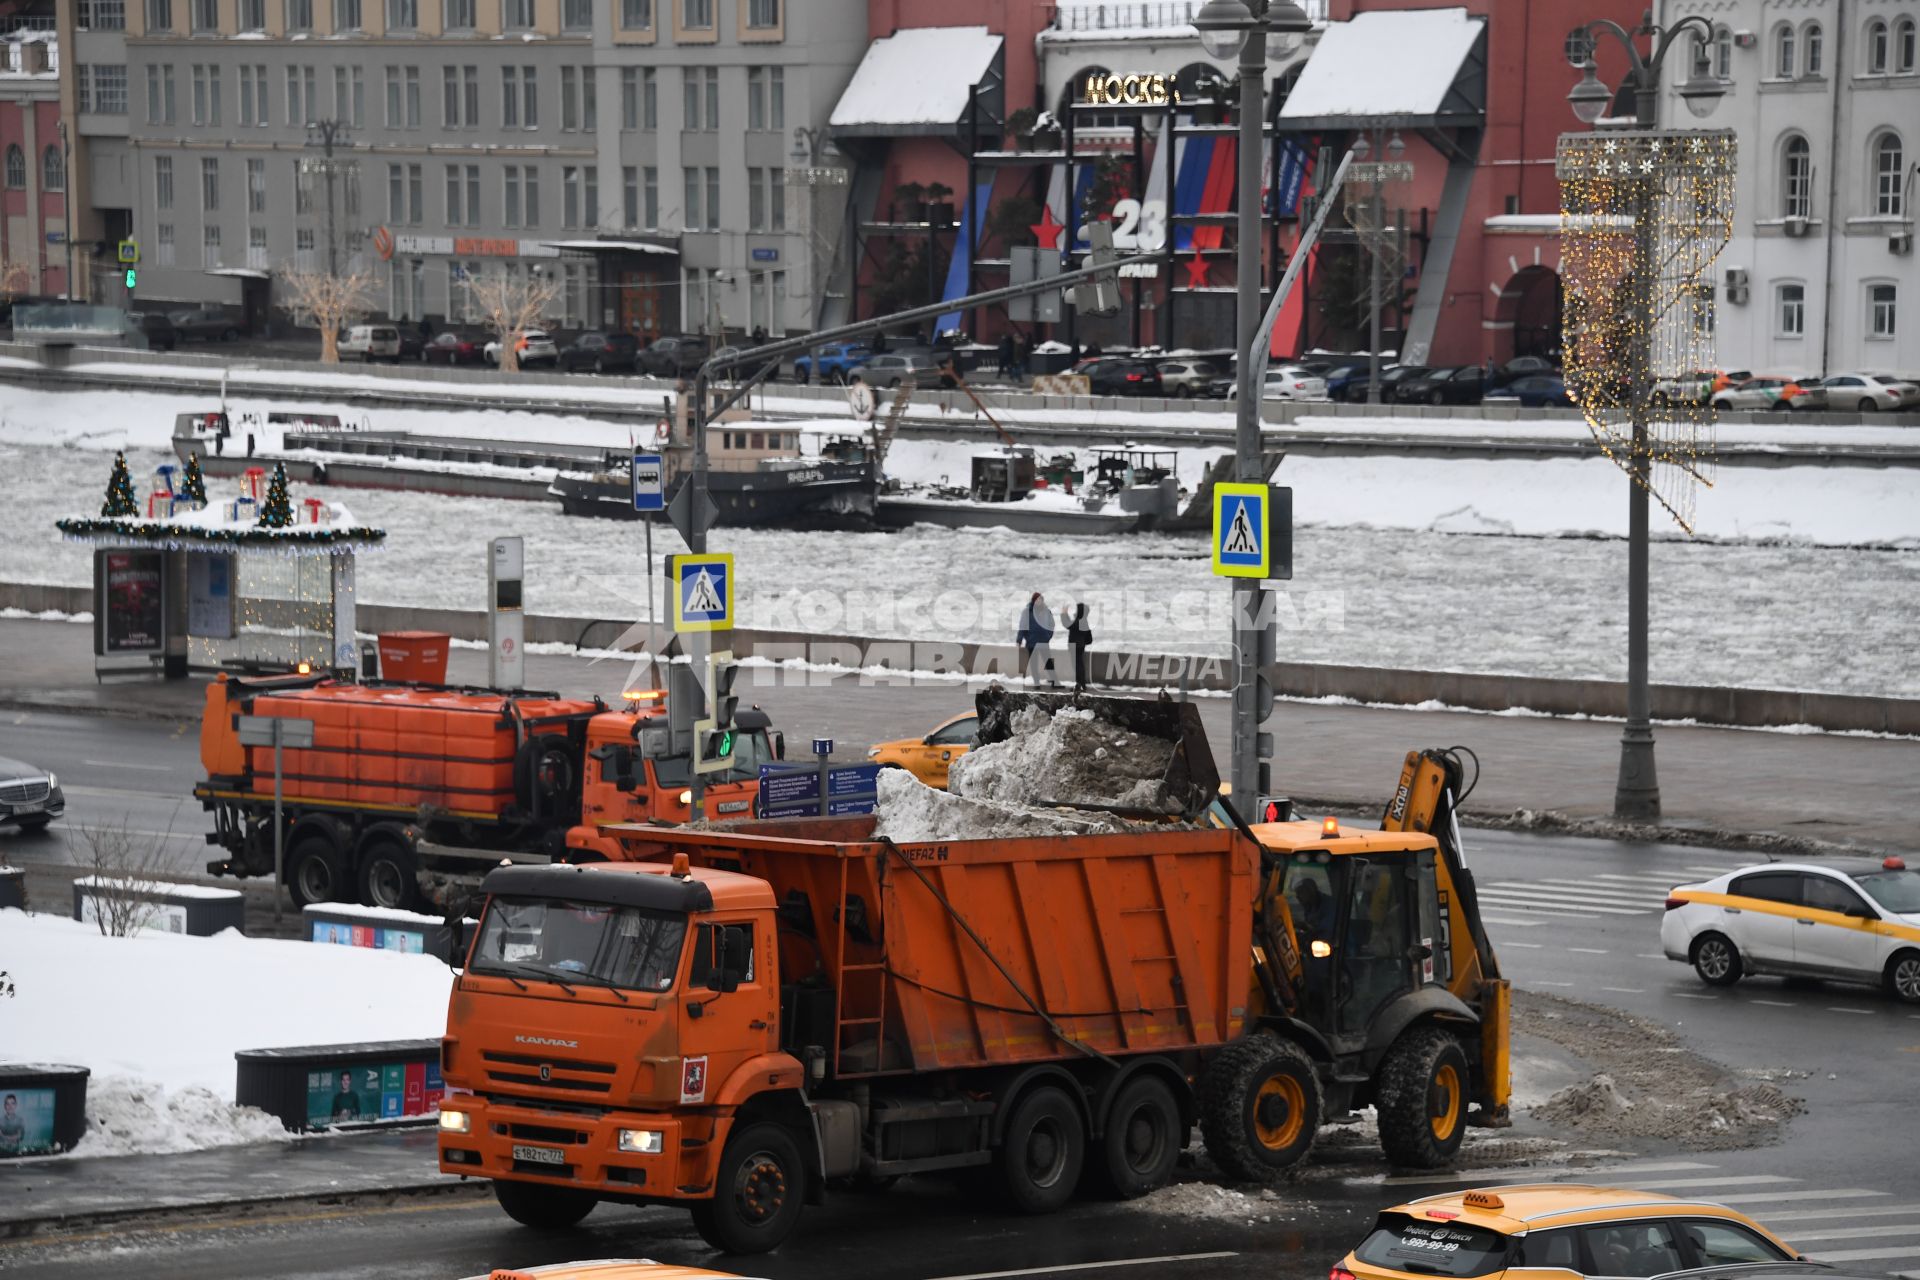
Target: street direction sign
702, 588
260, 731
795, 790
1240, 542
649, 482
681, 512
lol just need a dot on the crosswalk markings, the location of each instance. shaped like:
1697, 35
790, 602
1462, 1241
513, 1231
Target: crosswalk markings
1760, 1196
1860, 1233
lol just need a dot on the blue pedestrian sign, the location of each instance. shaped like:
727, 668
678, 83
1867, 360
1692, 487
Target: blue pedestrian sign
702, 592
649, 482
1240, 530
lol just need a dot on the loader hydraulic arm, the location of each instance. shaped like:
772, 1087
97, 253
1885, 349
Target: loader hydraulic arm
1427, 799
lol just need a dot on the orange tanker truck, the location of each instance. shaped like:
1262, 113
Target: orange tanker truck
732, 1021
408, 782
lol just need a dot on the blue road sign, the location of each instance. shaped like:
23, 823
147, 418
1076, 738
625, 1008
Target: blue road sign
793, 790
1240, 530
823, 746
649, 482
702, 592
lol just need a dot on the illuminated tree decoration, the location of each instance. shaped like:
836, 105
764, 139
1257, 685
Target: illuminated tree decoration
276, 510
193, 485
1643, 215
120, 501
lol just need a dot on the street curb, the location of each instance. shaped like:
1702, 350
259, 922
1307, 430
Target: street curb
65, 1225
15, 701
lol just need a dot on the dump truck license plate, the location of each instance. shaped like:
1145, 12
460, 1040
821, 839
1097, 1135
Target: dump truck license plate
539, 1155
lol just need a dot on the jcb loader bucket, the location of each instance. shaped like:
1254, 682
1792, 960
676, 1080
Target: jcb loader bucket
1192, 779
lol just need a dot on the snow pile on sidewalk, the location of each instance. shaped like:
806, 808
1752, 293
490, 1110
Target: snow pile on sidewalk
158, 1018
1069, 757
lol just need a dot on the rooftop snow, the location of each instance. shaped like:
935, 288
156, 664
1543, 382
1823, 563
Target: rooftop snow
1384, 63
919, 76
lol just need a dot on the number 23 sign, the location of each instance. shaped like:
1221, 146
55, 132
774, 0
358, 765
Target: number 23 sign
1139, 225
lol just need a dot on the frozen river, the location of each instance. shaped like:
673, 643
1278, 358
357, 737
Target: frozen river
1724, 613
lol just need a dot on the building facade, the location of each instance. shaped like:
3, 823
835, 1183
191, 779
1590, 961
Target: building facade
634, 149
33, 157
1825, 98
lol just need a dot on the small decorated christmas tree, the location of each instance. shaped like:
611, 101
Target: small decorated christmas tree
276, 510
120, 501
193, 485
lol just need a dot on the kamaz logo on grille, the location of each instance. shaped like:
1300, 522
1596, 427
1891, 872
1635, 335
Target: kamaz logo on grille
546, 1072
547, 1040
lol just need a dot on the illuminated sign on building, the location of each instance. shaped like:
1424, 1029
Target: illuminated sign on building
1130, 91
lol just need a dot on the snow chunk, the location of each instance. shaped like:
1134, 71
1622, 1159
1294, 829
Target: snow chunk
1071, 757
911, 812
126, 1116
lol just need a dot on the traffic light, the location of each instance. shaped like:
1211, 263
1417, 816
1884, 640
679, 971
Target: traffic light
722, 702
133, 278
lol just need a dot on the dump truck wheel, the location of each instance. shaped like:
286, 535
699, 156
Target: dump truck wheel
1142, 1140
1260, 1107
1421, 1099
758, 1193
1042, 1151
547, 1208
387, 872
314, 871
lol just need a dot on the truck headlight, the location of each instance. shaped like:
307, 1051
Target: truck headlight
686, 797
643, 1142
455, 1122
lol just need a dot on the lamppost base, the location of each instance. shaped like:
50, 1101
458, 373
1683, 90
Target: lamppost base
1636, 796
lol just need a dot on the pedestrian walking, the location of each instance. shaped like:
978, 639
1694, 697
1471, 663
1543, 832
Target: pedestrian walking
1006, 355
1035, 640
1079, 638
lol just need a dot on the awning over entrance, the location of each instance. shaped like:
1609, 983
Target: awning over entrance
612, 246
916, 83
241, 273
1405, 69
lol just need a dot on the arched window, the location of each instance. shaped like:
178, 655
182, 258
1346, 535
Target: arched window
53, 170
1796, 178
16, 168
1877, 47
1905, 37
1783, 42
1723, 52
1810, 38
1889, 176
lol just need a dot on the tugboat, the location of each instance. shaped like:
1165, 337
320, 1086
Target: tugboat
1006, 490
757, 475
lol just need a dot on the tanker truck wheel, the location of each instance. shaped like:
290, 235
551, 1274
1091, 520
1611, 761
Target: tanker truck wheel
387, 871
1260, 1107
315, 872
1421, 1099
757, 1194
547, 1208
1042, 1151
1142, 1141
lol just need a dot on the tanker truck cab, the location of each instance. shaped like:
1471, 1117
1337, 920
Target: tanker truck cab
635, 776
616, 1031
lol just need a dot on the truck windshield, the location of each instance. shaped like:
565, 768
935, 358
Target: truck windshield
552, 939
751, 749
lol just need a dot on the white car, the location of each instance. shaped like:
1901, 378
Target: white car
1289, 383
1848, 919
536, 347
371, 342
1868, 392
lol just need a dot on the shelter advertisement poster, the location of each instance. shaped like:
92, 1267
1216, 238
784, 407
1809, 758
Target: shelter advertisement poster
363, 1093
210, 578
132, 590
26, 1122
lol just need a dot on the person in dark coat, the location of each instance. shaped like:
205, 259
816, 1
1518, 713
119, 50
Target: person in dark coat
1079, 637
1035, 639
1006, 355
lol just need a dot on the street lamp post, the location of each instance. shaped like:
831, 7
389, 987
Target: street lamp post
328, 134
1637, 792
1228, 28
66, 205
807, 167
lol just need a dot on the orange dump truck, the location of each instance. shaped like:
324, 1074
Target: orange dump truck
734, 1020
405, 779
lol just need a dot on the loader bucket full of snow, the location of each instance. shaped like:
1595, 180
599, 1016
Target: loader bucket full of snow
1190, 781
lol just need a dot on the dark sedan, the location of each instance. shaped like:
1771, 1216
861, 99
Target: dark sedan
452, 348
1122, 377
601, 353
210, 324
1445, 386
30, 797
1354, 390
158, 329
1532, 391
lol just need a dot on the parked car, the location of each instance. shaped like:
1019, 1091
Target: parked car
30, 797
1392, 378
674, 357
1520, 367
892, 368
535, 347
1289, 382
1869, 392
601, 353
831, 363
158, 330
1340, 376
1760, 393
413, 343
209, 324
1846, 919
1461, 385
1121, 376
452, 348
1534, 391
1185, 377
371, 342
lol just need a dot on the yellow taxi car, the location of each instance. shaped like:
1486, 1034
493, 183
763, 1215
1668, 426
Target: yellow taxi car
928, 758
1549, 1230
608, 1269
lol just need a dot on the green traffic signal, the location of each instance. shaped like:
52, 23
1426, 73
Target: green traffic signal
725, 748
133, 277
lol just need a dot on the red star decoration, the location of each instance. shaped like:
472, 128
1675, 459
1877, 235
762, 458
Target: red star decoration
1047, 232
1197, 271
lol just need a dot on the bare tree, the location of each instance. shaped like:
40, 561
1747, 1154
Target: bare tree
328, 301
510, 304
16, 278
125, 883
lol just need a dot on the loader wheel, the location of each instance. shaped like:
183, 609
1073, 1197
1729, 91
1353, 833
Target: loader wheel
545, 1208
314, 872
1142, 1141
1421, 1099
1042, 1151
757, 1194
1260, 1107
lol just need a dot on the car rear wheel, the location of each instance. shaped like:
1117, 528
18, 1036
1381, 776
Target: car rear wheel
1903, 977
1434, 397
1717, 960
1868, 406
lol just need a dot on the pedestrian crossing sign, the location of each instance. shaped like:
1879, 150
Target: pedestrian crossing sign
702, 592
1240, 547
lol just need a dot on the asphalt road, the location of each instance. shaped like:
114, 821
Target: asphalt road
1570, 918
